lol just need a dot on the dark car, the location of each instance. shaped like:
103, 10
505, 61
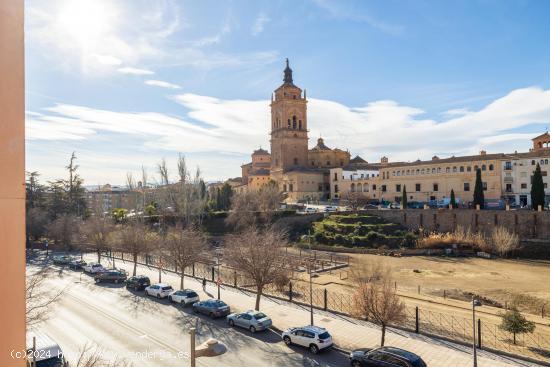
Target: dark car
77, 264
212, 307
385, 357
116, 276
415, 205
62, 260
138, 283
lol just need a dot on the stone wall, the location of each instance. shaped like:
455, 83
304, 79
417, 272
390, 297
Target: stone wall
527, 224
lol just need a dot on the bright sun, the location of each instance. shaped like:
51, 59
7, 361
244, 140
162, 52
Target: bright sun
86, 21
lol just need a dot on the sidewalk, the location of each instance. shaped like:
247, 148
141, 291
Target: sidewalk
348, 333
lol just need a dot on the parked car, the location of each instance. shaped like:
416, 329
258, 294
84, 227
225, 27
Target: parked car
313, 337
77, 264
310, 210
93, 268
385, 357
415, 205
47, 353
116, 276
212, 307
184, 296
251, 320
62, 260
330, 208
159, 290
138, 282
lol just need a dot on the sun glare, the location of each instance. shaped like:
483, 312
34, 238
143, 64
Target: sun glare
86, 21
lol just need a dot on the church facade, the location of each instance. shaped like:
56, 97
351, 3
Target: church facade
301, 173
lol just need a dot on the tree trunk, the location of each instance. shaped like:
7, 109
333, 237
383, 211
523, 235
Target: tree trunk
113, 260
514, 338
135, 264
383, 335
160, 274
181, 279
259, 290
99, 256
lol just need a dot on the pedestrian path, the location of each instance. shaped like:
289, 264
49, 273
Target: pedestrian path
348, 333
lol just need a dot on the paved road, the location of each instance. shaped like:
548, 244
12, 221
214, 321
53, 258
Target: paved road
149, 332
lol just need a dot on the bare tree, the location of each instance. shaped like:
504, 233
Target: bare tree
39, 298
136, 239
91, 355
260, 255
185, 247
96, 233
255, 207
375, 300
64, 230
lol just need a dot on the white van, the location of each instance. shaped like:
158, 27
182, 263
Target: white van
47, 352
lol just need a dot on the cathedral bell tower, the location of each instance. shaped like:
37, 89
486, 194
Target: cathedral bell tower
289, 141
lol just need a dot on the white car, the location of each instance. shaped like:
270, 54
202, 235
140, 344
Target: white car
330, 208
93, 268
310, 210
313, 337
184, 296
159, 290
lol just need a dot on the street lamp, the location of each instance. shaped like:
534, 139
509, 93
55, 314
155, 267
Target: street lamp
310, 284
475, 303
210, 348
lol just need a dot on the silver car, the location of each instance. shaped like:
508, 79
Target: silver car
251, 320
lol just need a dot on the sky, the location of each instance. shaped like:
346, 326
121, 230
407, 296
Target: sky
126, 84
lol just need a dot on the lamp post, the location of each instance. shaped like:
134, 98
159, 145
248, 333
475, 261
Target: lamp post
210, 348
475, 302
218, 281
310, 285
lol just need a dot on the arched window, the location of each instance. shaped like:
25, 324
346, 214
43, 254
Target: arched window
546, 161
476, 167
454, 169
289, 123
461, 168
491, 167
422, 171
448, 169
352, 187
469, 169
299, 124
483, 167
417, 171
433, 170
359, 187
296, 161
294, 122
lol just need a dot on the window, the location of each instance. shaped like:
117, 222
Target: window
422, 171
290, 188
299, 124
313, 163
448, 169
483, 167
294, 122
484, 186
454, 169
491, 167
433, 170
335, 176
374, 187
284, 187
544, 173
295, 161
436, 187
508, 187
328, 163
466, 186
398, 188
383, 188
438, 169
507, 166
469, 169
335, 188
417, 186
461, 168
545, 185
523, 185
289, 123
320, 188
532, 163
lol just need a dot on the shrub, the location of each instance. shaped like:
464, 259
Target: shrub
339, 239
371, 236
409, 240
320, 237
504, 241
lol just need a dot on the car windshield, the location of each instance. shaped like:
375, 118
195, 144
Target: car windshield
260, 316
324, 335
167, 288
218, 303
419, 363
192, 294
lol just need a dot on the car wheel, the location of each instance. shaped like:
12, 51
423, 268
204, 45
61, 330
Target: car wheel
195, 310
314, 349
146, 293
252, 329
158, 295
355, 363
287, 340
116, 281
170, 299
211, 315
136, 288
231, 323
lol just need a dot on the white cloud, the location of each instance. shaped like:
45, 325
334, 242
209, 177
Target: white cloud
162, 84
259, 24
135, 71
236, 127
107, 59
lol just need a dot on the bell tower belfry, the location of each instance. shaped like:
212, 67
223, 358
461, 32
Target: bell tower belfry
289, 141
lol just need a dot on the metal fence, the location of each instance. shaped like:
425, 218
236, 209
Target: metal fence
490, 336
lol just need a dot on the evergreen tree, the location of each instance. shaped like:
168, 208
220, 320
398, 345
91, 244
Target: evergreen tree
226, 193
537, 189
202, 189
453, 199
404, 198
479, 197
514, 322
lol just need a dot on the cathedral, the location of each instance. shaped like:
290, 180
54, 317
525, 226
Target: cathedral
301, 173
